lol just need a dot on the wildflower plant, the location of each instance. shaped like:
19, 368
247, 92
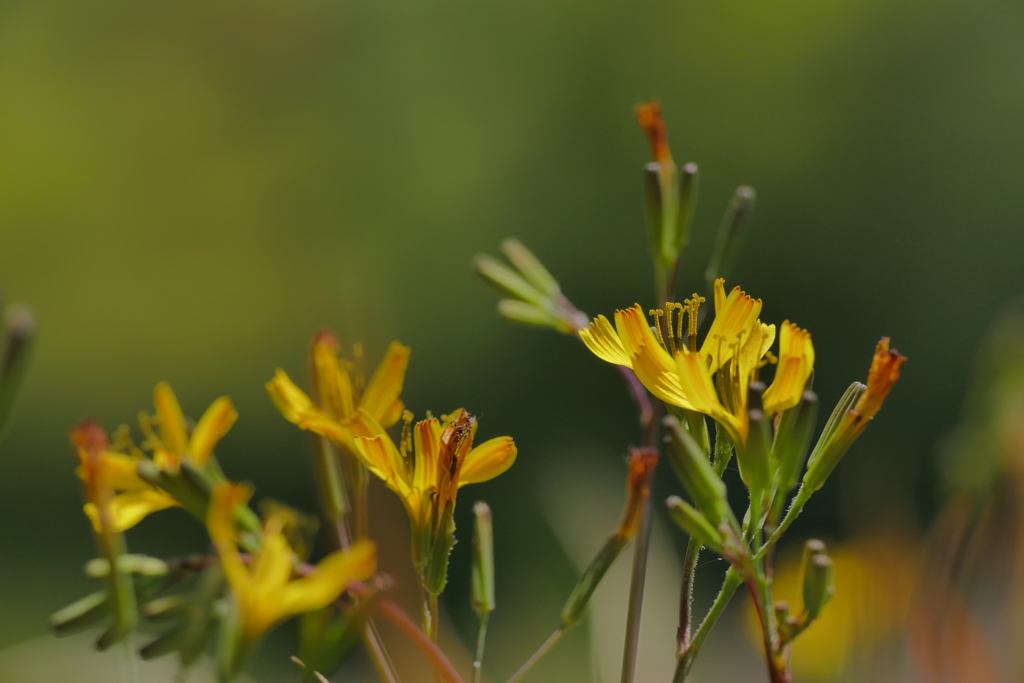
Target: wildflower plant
710, 389
703, 400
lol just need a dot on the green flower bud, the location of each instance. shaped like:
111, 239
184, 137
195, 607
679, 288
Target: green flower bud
483, 560
792, 439
818, 588
753, 456
530, 267
692, 467
694, 523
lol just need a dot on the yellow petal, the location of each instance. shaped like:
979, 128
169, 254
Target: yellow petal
332, 380
695, 379
386, 384
488, 460
220, 523
796, 361
733, 322
292, 401
884, 373
653, 365
602, 339
272, 566
120, 472
333, 575
635, 332
427, 443
128, 509
751, 352
173, 432
381, 456
212, 427
393, 414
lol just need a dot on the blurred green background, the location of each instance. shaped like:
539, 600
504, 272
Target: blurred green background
189, 190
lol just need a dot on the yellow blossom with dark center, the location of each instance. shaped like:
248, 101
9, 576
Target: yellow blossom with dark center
714, 377
346, 406
434, 459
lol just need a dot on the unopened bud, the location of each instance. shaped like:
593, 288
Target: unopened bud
483, 560
753, 456
692, 467
730, 233
792, 439
687, 203
694, 523
818, 587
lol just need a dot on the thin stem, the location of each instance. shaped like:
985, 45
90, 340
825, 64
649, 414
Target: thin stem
481, 638
686, 594
535, 657
378, 655
362, 506
129, 667
637, 583
432, 606
729, 585
393, 613
802, 496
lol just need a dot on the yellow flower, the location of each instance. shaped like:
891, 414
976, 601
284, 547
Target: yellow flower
434, 461
265, 592
346, 408
171, 444
715, 377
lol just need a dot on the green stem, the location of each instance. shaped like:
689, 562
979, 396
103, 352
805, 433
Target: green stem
129, 667
686, 594
481, 638
535, 657
729, 585
802, 496
637, 583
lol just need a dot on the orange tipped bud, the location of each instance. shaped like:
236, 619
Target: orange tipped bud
649, 116
642, 462
885, 370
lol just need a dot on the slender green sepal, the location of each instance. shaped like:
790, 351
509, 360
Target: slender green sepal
530, 266
526, 313
80, 614
507, 281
